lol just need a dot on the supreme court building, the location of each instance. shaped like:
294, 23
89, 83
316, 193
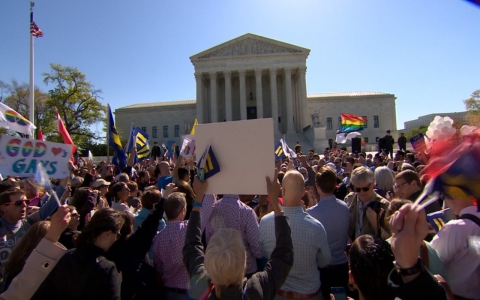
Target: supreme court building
253, 77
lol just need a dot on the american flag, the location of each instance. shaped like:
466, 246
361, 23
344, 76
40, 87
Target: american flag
34, 30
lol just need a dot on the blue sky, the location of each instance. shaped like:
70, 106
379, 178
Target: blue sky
425, 52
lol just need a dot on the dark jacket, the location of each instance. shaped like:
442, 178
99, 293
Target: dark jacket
156, 152
388, 140
129, 256
402, 141
81, 274
262, 285
433, 207
66, 239
424, 287
352, 202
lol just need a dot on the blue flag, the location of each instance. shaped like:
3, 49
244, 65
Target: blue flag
114, 141
141, 141
437, 219
279, 154
209, 164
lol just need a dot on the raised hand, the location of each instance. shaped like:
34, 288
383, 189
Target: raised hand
169, 189
273, 190
58, 223
199, 188
409, 227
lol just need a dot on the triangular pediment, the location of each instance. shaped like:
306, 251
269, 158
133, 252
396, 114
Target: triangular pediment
248, 45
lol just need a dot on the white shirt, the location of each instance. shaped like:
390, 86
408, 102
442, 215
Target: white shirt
461, 260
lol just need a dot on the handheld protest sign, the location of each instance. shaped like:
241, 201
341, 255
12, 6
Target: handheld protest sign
20, 157
243, 150
418, 143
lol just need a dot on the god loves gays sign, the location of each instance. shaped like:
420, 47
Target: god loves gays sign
20, 157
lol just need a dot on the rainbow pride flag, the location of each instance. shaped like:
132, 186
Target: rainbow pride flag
352, 123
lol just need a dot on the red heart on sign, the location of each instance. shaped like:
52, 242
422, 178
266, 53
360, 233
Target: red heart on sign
57, 151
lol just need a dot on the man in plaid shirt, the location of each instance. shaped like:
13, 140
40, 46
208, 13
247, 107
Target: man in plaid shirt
167, 248
230, 212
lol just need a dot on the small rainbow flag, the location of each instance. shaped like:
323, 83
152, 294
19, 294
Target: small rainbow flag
352, 123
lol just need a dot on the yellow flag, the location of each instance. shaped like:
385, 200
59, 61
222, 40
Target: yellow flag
195, 123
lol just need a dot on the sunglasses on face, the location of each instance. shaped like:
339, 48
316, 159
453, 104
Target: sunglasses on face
365, 189
19, 202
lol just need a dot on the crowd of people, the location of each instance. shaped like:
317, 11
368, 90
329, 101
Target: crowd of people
331, 226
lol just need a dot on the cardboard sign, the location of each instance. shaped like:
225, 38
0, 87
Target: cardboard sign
243, 150
188, 146
20, 156
418, 143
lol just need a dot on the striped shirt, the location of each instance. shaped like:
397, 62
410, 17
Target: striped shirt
310, 246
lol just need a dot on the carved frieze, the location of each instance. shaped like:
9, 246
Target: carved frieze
249, 46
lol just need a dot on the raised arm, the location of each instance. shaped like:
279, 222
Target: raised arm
178, 164
193, 254
41, 261
281, 260
409, 227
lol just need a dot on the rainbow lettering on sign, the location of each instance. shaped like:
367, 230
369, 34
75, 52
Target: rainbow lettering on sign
14, 117
14, 147
33, 149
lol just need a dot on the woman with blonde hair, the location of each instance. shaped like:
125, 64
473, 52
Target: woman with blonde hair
23, 249
219, 272
384, 181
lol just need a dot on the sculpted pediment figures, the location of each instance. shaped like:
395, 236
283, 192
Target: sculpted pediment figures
249, 46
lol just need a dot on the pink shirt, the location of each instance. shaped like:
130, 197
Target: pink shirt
167, 255
230, 212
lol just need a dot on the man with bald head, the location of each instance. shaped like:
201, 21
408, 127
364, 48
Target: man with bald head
165, 176
309, 241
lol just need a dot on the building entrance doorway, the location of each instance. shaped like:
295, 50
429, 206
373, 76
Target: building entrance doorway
251, 112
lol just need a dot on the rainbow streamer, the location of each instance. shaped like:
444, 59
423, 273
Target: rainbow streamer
352, 123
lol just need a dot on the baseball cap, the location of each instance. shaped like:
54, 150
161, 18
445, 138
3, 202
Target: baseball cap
100, 182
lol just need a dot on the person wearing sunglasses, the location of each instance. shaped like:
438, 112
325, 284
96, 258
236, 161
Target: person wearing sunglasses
366, 207
13, 223
84, 272
66, 239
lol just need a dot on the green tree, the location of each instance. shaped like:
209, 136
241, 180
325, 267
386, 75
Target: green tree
472, 105
77, 102
415, 131
16, 96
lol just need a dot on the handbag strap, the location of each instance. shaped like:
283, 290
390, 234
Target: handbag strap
424, 255
445, 286
472, 218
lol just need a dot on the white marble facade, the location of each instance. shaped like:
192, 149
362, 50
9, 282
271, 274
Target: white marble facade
256, 77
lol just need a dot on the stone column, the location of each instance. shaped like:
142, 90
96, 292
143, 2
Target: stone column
213, 97
243, 95
228, 95
306, 119
289, 100
199, 79
273, 93
258, 87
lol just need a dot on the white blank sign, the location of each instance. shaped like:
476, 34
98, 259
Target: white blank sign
244, 150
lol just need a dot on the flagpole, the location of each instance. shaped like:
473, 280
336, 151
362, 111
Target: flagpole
31, 102
108, 133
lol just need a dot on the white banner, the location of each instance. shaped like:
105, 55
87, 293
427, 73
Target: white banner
20, 156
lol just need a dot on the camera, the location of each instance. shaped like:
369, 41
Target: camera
375, 205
